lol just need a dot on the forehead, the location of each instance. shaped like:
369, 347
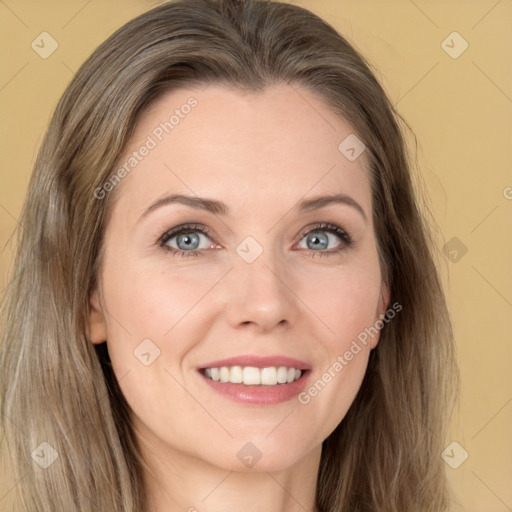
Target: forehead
274, 147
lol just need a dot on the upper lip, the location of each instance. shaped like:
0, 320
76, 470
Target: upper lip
259, 362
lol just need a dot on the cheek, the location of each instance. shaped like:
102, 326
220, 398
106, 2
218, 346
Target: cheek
149, 334
345, 302
331, 393
149, 304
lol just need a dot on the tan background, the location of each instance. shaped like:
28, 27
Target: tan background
459, 108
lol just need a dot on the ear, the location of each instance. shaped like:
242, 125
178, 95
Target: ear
381, 310
97, 325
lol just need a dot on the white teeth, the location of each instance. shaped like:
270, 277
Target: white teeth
269, 376
252, 376
224, 374
236, 375
282, 374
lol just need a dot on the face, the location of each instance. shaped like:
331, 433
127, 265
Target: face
258, 275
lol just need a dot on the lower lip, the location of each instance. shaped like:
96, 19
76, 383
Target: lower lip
259, 394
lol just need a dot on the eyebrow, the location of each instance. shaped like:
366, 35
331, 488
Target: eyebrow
220, 208
321, 201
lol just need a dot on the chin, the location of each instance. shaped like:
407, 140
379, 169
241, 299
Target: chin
260, 456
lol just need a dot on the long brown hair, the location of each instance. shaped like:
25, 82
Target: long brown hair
58, 388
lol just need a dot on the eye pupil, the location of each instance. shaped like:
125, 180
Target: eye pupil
187, 238
318, 240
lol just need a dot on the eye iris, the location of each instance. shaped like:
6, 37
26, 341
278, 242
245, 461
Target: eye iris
187, 238
319, 240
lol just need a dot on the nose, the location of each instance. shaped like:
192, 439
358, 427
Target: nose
259, 295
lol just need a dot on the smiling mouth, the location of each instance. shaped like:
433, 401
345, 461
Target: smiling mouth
253, 376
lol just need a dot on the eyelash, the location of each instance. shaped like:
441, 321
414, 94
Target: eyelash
192, 228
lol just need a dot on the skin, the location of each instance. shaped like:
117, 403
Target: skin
260, 154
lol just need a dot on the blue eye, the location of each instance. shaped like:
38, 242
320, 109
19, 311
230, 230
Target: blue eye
187, 241
317, 239
188, 238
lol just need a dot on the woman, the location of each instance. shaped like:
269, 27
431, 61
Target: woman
225, 294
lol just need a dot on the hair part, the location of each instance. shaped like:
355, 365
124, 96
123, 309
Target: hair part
58, 388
